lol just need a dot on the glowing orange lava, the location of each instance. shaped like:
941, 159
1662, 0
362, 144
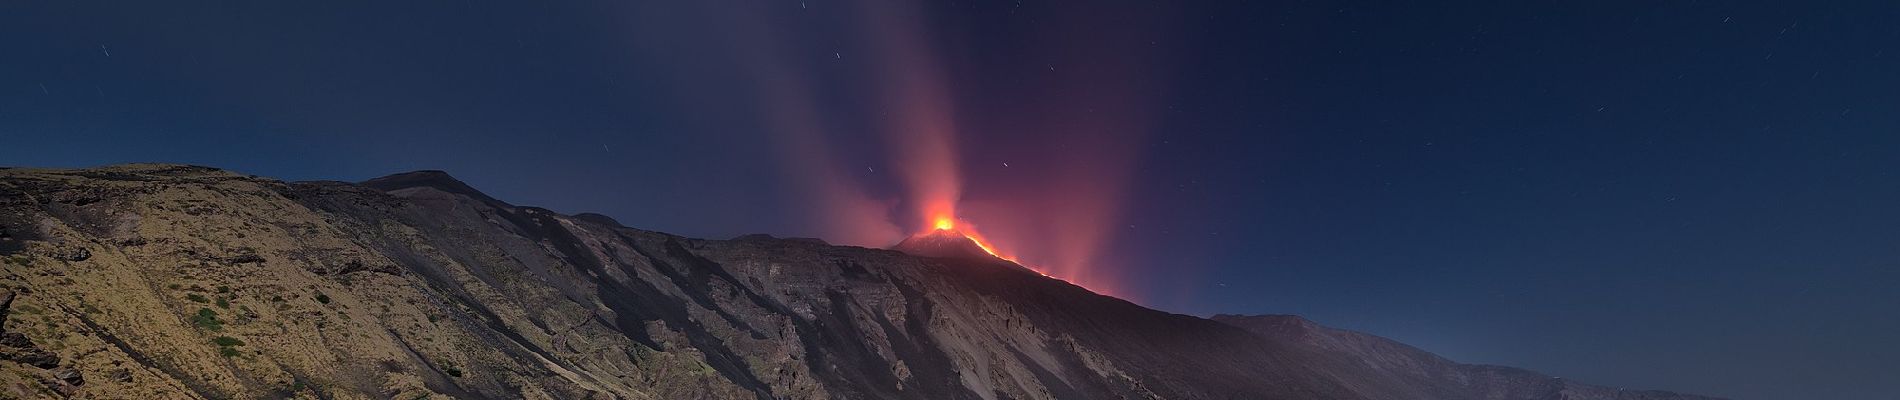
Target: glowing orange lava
946, 223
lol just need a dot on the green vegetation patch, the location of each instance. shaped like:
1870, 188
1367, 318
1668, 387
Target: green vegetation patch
207, 320
197, 298
227, 341
323, 298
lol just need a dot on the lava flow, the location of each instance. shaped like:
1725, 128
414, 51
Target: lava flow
949, 225
949, 238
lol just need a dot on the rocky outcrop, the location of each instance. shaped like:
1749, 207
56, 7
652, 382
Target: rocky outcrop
45, 372
201, 283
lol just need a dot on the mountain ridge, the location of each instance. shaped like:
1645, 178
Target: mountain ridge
158, 280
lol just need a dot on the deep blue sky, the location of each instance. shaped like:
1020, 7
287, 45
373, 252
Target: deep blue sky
1689, 195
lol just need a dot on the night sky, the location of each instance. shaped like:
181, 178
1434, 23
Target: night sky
1688, 195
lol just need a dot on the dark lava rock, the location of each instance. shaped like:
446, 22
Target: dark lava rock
72, 253
6, 302
120, 375
15, 340
16, 347
70, 376
244, 256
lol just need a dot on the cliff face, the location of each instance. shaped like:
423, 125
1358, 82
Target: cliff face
165, 281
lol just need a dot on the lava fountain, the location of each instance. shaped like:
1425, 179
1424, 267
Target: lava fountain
893, 77
1081, 141
922, 133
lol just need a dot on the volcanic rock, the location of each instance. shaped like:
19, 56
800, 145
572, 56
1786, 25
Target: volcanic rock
6, 305
15, 346
70, 376
245, 287
121, 375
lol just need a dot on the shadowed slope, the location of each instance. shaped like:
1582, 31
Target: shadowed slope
1383, 368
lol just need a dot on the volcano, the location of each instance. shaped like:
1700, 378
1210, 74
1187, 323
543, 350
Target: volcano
945, 243
181, 282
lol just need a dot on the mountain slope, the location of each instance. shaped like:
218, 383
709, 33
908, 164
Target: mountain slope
1383, 368
175, 281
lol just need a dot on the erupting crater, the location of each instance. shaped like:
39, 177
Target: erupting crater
943, 243
946, 240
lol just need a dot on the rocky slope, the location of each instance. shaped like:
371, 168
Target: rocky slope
167, 281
